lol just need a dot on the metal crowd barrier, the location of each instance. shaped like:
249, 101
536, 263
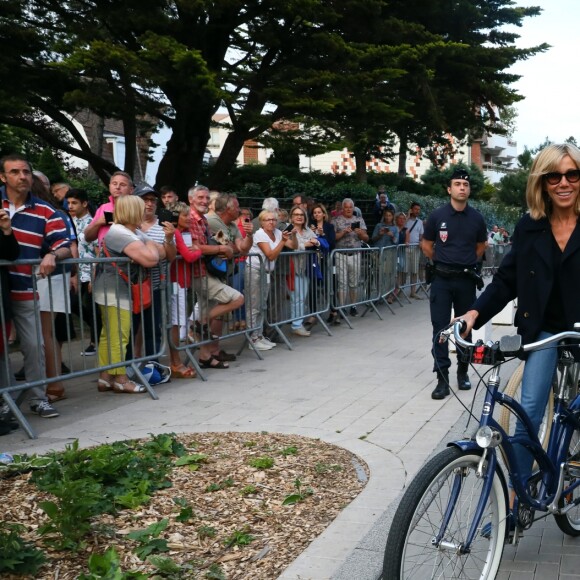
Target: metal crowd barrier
299, 288
302, 285
49, 347
494, 254
410, 272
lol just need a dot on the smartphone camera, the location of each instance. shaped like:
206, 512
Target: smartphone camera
355, 225
289, 228
108, 217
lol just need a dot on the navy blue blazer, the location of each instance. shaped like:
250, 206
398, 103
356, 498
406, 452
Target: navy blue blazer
527, 273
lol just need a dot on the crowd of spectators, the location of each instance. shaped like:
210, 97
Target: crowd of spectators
216, 255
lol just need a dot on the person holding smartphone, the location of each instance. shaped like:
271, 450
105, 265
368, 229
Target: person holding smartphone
351, 232
120, 184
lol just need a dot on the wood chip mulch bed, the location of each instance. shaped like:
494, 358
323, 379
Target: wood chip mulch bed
245, 500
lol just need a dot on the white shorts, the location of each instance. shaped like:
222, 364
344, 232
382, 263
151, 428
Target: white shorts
53, 293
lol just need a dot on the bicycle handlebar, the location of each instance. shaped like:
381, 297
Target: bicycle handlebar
510, 345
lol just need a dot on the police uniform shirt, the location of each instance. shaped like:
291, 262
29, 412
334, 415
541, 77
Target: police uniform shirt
456, 235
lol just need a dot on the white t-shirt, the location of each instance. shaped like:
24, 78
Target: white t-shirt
260, 237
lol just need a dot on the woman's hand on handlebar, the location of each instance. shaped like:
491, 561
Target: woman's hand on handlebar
469, 318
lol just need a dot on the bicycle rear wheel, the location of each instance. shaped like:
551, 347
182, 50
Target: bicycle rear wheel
507, 420
410, 553
569, 522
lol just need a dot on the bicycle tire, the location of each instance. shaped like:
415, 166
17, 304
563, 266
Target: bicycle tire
507, 420
569, 522
409, 552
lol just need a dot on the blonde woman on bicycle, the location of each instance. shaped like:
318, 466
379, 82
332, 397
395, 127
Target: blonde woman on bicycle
542, 270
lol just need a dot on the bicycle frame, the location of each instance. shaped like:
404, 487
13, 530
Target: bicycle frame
551, 462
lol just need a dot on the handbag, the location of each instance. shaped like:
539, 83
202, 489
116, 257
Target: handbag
140, 291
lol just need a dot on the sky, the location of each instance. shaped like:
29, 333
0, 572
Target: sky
550, 81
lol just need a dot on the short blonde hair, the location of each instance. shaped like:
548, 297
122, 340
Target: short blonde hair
298, 207
179, 207
547, 160
129, 210
266, 212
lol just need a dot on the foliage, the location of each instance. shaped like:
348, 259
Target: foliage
215, 572
249, 490
437, 180
186, 512
206, 532
239, 538
261, 463
92, 481
300, 494
148, 539
107, 566
16, 555
292, 450
347, 67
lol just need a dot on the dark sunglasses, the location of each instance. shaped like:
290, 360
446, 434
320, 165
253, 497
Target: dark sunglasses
553, 178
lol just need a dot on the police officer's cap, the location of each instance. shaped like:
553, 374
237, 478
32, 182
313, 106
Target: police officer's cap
460, 174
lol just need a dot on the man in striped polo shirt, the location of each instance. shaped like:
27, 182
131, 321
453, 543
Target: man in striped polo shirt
41, 233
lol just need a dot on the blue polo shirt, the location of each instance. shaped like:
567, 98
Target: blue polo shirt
456, 235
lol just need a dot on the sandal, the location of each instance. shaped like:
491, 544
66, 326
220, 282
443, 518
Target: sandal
207, 364
182, 372
55, 396
203, 331
224, 356
104, 385
129, 387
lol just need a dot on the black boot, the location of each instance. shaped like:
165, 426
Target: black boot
463, 381
442, 388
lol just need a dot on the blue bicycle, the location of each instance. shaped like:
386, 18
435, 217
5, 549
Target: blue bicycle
454, 518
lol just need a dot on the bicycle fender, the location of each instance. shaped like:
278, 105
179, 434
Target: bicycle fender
465, 445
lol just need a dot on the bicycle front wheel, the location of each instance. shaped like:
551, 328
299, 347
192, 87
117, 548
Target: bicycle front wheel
569, 522
410, 552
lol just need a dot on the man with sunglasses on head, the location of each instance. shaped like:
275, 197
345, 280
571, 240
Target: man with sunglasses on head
454, 238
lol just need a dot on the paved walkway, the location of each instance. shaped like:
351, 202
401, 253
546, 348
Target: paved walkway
366, 389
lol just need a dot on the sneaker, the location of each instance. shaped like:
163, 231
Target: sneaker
64, 370
89, 351
267, 341
44, 409
353, 311
20, 376
301, 331
257, 344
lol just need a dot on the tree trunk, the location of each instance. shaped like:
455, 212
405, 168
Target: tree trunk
227, 159
403, 143
360, 159
182, 162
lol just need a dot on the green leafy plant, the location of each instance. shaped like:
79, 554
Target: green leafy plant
77, 501
206, 532
166, 566
149, 540
292, 450
107, 566
16, 555
321, 468
299, 496
213, 487
261, 463
249, 490
239, 538
192, 461
186, 512
250, 443
215, 572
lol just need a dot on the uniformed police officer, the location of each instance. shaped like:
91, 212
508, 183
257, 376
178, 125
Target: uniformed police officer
454, 240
